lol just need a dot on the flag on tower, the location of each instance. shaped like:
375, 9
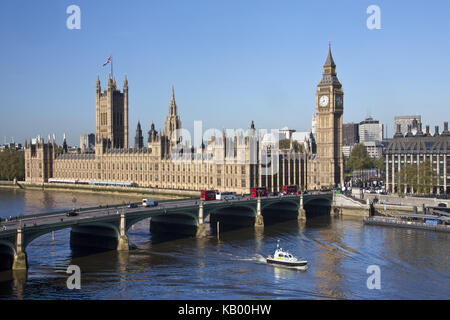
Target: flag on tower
108, 61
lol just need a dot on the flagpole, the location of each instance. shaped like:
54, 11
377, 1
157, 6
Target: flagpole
112, 73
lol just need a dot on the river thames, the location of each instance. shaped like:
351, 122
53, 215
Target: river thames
413, 264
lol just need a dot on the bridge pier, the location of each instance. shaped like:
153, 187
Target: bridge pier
259, 220
201, 229
20, 257
301, 209
122, 241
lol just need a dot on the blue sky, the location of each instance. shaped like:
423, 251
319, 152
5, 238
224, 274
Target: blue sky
230, 61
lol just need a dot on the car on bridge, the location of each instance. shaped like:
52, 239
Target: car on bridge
226, 195
71, 213
149, 203
132, 205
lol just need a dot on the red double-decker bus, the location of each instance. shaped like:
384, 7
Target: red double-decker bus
208, 195
258, 192
289, 189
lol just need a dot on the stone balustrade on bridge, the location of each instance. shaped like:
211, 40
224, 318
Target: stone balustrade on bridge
107, 227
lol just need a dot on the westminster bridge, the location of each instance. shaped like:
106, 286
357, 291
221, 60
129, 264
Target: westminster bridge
107, 227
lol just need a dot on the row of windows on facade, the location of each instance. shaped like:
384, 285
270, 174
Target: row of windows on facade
117, 119
435, 167
420, 161
441, 179
155, 178
145, 166
414, 159
429, 149
421, 156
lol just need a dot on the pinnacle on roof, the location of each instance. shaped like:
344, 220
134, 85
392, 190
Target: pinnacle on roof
329, 62
173, 104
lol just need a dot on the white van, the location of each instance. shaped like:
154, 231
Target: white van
149, 203
225, 195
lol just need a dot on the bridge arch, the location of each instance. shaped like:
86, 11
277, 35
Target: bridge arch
318, 205
8, 245
95, 234
251, 210
31, 236
7, 253
280, 209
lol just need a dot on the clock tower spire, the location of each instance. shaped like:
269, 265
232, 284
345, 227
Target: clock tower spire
329, 111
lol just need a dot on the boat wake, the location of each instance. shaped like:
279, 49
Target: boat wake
256, 258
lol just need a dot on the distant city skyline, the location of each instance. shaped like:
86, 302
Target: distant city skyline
230, 62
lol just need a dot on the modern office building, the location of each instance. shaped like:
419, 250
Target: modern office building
374, 149
350, 134
370, 130
405, 121
87, 141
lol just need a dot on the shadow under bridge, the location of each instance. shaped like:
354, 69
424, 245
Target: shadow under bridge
317, 205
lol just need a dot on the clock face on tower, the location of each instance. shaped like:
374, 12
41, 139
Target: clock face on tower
339, 101
323, 101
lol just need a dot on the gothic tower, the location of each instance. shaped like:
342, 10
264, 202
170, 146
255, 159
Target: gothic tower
173, 123
111, 115
152, 134
139, 138
329, 111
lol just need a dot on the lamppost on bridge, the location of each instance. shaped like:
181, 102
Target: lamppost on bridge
259, 221
74, 200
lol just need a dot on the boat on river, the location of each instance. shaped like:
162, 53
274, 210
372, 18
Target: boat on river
284, 258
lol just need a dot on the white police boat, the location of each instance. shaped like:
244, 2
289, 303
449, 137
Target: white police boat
284, 258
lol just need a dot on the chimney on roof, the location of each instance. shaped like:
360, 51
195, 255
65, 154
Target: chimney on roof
419, 132
436, 131
409, 133
427, 132
445, 132
398, 133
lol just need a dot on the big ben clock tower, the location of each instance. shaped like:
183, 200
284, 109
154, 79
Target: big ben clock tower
329, 111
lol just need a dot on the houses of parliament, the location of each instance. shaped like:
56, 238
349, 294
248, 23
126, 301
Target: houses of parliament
225, 163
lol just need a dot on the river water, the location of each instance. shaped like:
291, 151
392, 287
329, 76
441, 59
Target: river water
413, 264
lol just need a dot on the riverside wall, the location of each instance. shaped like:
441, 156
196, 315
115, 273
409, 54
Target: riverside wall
346, 206
99, 189
343, 205
9, 185
406, 201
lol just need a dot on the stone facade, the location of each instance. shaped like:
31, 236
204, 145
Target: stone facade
416, 149
326, 167
227, 163
112, 115
39, 160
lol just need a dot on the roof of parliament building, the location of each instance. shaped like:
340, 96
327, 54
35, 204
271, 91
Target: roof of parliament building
75, 156
420, 142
